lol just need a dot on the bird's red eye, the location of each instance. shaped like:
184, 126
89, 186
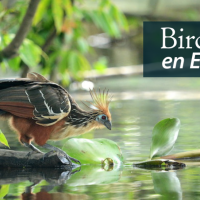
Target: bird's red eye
103, 117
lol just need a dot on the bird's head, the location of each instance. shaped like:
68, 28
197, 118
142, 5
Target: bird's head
101, 102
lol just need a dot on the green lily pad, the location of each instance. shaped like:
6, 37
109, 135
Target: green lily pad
162, 164
95, 151
164, 137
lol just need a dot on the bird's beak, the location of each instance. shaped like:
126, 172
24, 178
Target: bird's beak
108, 124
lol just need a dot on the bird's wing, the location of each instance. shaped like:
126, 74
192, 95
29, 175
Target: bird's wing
43, 101
51, 104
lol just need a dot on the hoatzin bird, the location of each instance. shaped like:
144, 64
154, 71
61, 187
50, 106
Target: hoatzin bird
40, 110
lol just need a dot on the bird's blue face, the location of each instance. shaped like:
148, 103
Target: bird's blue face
103, 119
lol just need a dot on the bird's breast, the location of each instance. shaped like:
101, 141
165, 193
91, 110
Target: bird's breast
72, 131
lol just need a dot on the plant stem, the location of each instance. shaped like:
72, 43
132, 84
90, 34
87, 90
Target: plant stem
182, 155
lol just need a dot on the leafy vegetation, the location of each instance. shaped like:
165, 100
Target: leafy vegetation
164, 136
57, 39
4, 189
3, 139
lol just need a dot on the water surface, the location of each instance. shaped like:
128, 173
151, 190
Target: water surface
133, 121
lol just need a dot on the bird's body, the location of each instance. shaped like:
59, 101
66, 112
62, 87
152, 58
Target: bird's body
40, 110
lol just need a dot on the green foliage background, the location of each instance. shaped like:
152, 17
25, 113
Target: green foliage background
57, 41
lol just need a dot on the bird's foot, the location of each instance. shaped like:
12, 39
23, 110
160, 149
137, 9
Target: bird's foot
64, 158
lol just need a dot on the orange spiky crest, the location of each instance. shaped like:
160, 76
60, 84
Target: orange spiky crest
101, 101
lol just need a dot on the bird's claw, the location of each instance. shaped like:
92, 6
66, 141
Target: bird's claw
66, 159
75, 160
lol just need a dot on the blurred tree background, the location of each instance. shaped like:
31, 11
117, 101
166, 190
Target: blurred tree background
49, 36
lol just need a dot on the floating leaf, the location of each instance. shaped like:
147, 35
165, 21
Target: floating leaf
160, 164
95, 151
4, 190
164, 136
3, 139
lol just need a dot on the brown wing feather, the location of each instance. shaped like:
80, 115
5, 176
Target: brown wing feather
18, 109
14, 100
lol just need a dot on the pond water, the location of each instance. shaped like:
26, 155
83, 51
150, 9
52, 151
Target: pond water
133, 121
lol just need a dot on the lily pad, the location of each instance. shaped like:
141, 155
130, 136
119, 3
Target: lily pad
160, 164
94, 151
164, 137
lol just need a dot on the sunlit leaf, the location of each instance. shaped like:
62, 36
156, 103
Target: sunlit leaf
104, 3
120, 18
4, 189
164, 136
105, 23
30, 53
68, 7
82, 45
94, 151
5, 40
14, 63
83, 63
58, 14
65, 79
42, 7
110, 25
3, 139
101, 65
73, 62
95, 16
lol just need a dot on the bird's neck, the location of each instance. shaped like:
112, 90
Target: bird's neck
81, 118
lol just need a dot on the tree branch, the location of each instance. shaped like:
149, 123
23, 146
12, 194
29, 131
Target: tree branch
21, 159
12, 49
